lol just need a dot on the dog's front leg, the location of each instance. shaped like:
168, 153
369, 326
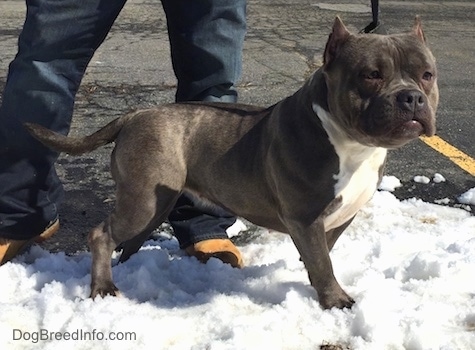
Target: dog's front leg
311, 242
102, 246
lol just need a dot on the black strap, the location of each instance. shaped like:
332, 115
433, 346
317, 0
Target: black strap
375, 26
375, 11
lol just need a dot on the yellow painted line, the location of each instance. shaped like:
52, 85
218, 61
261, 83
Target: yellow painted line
460, 158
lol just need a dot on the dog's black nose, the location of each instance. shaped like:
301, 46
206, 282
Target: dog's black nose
411, 100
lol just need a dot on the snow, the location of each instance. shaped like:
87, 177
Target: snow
442, 201
421, 179
468, 197
408, 264
438, 178
389, 183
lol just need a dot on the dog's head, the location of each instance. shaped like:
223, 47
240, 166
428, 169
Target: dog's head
382, 89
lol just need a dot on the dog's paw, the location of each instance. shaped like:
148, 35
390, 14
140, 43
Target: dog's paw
104, 290
340, 300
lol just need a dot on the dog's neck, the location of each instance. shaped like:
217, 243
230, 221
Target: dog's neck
313, 91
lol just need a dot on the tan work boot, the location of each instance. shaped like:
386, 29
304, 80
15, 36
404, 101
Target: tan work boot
10, 248
222, 249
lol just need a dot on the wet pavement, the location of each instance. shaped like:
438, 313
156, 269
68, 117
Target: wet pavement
283, 47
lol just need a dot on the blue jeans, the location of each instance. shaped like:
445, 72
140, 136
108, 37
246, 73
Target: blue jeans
57, 42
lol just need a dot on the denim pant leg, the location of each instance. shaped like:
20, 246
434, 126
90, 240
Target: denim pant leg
206, 39
56, 44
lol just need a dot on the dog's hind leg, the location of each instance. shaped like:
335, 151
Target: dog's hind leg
133, 245
136, 214
101, 246
166, 199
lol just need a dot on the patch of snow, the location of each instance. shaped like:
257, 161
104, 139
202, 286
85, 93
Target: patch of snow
468, 197
438, 178
442, 201
421, 179
389, 183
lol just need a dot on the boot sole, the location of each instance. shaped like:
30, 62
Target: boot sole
11, 248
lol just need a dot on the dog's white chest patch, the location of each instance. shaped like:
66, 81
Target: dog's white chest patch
358, 176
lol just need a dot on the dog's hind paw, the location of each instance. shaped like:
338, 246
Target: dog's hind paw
104, 290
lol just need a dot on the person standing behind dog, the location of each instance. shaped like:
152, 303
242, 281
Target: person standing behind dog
55, 46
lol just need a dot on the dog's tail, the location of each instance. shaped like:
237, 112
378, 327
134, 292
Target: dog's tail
78, 145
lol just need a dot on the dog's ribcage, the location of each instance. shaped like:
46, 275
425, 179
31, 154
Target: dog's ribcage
358, 175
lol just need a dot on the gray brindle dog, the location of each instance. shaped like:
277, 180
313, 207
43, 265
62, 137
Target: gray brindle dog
304, 166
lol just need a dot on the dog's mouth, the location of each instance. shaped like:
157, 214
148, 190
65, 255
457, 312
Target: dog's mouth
404, 131
398, 118
412, 129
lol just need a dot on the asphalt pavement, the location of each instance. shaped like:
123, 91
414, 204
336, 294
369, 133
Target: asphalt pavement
284, 45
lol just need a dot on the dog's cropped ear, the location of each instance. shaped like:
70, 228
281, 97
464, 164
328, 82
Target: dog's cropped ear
417, 29
337, 37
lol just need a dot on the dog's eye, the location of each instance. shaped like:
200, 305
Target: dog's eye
427, 76
374, 75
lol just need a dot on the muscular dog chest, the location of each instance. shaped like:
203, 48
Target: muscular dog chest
356, 182
359, 168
